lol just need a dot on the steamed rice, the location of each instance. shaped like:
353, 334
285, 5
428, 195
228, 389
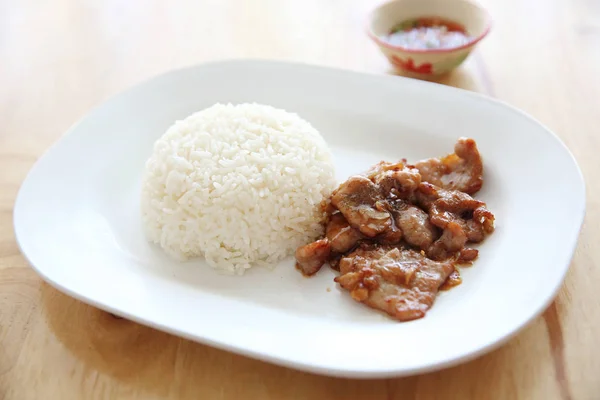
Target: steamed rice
240, 185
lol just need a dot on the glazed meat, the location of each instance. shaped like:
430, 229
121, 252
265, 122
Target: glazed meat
395, 180
400, 282
342, 237
454, 279
310, 258
382, 167
393, 235
452, 240
462, 218
461, 170
361, 203
397, 232
446, 206
467, 255
414, 224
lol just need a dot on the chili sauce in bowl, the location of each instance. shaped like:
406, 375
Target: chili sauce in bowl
428, 38
428, 33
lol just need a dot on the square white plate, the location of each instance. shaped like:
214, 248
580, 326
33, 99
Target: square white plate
78, 223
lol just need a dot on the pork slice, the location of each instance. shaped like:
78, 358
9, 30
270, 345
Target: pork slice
358, 199
414, 224
403, 283
342, 237
311, 257
461, 170
462, 218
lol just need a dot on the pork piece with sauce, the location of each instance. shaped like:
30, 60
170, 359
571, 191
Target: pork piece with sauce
462, 218
401, 282
390, 181
414, 224
311, 257
394, 180
461, 170
453, 240
342, 237
360, 201
397, 231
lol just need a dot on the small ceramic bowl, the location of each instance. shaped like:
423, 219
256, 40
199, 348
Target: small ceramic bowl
428, 62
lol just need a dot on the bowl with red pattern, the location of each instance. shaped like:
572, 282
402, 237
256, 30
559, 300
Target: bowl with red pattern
428, 38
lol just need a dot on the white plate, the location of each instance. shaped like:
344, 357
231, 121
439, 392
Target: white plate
77, 220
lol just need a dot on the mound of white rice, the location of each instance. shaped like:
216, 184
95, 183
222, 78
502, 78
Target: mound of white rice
240, 185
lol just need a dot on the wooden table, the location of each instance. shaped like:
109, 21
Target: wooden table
60, 58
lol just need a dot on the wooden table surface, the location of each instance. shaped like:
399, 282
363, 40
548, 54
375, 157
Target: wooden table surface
60, 58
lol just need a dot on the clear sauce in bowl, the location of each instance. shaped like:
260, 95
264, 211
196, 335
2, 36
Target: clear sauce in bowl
428, 33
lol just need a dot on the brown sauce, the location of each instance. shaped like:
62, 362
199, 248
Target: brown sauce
453, 280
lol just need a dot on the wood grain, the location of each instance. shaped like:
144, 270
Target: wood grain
60, 58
